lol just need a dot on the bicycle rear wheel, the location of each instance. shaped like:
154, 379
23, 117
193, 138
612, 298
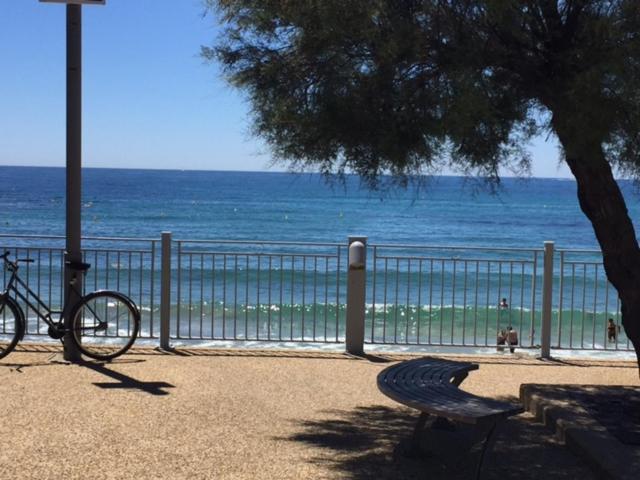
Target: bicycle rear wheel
10, 325
105, 324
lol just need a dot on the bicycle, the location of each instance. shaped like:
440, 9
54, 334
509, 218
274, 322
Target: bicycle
104, 324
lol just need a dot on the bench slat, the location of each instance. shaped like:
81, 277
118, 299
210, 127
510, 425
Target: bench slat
425, 384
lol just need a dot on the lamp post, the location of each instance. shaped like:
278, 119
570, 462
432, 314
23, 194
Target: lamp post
73, 245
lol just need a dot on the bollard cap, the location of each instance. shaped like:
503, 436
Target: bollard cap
357, 256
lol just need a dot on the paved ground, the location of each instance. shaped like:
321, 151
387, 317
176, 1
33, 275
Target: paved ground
264, 415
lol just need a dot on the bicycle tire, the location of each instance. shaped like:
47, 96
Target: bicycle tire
105, 324
11, 325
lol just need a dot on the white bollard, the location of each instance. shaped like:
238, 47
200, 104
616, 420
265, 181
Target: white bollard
356, 291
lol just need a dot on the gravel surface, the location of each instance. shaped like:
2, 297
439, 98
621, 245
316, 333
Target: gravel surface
249, 414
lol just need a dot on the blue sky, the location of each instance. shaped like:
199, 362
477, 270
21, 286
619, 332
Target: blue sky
149, 101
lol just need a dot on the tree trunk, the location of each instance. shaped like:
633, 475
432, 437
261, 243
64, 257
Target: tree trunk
602, 202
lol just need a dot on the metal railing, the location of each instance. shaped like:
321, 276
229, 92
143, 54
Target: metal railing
449, 295
409, 295
127, 265
272, 291
585, 302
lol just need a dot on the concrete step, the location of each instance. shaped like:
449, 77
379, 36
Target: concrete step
562, 409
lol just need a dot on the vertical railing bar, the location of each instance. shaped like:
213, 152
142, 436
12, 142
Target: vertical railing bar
258, 297
213, 296
281, 293
510, 288
50, 275
419, 301
315, 297
499, 318
129, 287
304, 282
61, 281
269, 298
107, 269
584, 302
179, 290
573, 288
28, 275
475, 308
96, 268
224, 296
292, 303
235, 296
246, 298
397, 305
408, 307
151, 285
486, 321
190, 292
38, 288
201, 295
464, 304
533, 297
453, 298
606, 313
521, 323
326, 295
140, 289
373, 296
560, 298
118, 257
430, 297
384, 323
129, 284
441, 299
338, 271
595, 306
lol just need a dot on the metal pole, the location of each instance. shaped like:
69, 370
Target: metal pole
165, 291
356, 291
74, 163
547, 294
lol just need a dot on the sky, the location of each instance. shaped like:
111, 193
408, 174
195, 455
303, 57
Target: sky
149, 100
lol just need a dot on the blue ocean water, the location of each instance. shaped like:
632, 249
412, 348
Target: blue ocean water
296, 298
299, 207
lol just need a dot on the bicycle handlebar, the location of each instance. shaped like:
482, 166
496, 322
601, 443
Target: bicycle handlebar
5, 257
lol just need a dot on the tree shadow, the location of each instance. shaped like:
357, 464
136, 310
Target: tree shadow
126, 382
368, 442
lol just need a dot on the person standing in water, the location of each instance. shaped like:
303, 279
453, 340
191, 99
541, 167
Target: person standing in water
512, 338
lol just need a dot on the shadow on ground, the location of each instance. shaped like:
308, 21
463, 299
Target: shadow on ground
123, 381
367, 443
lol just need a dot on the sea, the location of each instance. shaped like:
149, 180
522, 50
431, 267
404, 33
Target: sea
302, 207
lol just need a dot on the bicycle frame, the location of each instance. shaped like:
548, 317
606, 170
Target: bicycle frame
39, 306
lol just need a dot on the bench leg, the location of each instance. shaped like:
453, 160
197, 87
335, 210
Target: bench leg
418, 429
486, 447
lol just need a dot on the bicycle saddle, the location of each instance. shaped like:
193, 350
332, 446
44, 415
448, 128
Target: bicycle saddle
78, 266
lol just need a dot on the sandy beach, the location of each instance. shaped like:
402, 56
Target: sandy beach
228, 414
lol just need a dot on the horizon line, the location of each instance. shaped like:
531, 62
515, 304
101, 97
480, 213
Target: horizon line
286, 172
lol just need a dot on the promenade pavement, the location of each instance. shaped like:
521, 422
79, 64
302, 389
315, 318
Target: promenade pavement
235, 414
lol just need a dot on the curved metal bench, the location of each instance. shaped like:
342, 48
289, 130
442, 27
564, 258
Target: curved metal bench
431, 386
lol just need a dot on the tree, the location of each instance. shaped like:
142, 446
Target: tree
405, 86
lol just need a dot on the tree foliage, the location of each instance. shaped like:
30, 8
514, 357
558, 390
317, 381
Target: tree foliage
379, 86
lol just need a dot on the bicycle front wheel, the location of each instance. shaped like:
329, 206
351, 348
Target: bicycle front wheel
105, 324
10, 325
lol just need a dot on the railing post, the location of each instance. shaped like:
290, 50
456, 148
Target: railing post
356, 291
165, 291
547, 294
